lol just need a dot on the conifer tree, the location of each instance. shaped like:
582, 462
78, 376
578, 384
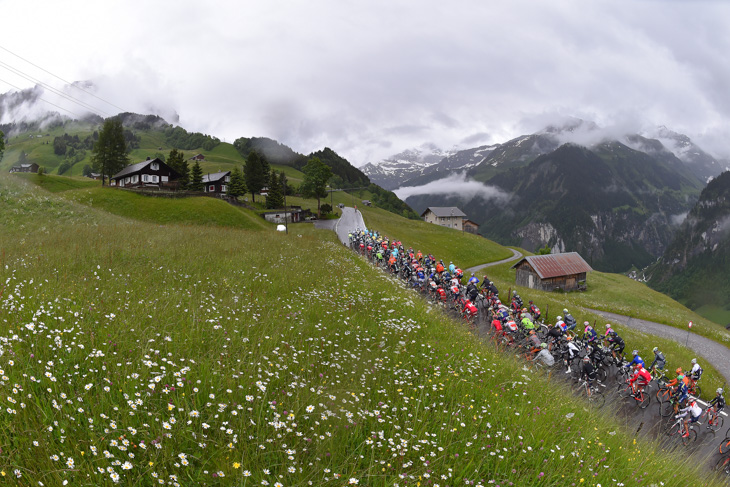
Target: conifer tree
237, 186
254, 174
196, 178
109, 155
275, 196
176, 160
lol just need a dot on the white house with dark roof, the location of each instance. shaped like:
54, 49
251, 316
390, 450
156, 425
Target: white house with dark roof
446, 216
149, 173
216, 182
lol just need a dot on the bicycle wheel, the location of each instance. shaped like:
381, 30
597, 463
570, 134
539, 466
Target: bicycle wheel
666, 408
579, 389
725, 446
717, 422
674, 428
686, 440
662, 395
624, 391
698, 392
596, 399
643, 400
601, 374
723, 465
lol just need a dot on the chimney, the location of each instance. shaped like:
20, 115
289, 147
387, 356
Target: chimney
148, 158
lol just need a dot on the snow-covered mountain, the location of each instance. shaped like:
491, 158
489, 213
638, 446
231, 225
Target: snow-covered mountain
394, 170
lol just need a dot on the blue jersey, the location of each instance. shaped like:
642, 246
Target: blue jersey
474, 279
637, 360
452, 268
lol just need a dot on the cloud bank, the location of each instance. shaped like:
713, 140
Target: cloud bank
455, 185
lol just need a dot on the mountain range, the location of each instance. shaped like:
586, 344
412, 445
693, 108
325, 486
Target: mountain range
615, 199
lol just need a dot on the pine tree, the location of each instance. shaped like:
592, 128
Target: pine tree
275, 197
254, 174
176, 160
316, 176
109, 155
196, 178
237, 186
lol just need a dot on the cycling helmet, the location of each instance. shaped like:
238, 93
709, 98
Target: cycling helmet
635, 352
559, 318
719, 390
530, 302
694, 361
543, 345
586, 323
679, 370
608, 325
586, 359
565, 311
589, 350
656, 349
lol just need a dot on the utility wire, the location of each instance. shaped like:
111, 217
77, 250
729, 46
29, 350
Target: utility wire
43, 99
54, 90
65, 81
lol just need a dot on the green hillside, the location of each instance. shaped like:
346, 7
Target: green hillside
202, 355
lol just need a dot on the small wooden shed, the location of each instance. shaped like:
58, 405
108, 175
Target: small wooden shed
566, 272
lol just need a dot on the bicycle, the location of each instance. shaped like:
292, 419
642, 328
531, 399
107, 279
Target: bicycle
658, 375
694, 389
723, 465
592, 393
663, 394
678, 428
642, 398
669, 407
714, 419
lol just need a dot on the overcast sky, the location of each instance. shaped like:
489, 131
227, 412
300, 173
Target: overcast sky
371, 78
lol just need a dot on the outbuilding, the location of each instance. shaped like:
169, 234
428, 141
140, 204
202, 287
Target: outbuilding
553, 272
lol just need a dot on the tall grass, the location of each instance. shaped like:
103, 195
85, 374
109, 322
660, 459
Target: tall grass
135, 353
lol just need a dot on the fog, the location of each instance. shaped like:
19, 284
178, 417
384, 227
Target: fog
455, 185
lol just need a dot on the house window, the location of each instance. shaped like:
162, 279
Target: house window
224, 188
163, 179
145, 178
155, 166
211, 188
228, 179
121, 183
126, 180
155, 178
135, 179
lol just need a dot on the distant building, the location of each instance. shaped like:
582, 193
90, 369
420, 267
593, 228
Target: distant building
470, 226
366, 203
292, 214
446, 216
198, 157
32, 167
94, 175
216, 182
152, 173
565, 272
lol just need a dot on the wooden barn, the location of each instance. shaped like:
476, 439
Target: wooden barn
565, 272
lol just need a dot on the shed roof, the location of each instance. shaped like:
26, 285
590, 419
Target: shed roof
135, 167
443, 211
554, 265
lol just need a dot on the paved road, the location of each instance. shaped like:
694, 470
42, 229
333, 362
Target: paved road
712, 352
350, 221
515, 255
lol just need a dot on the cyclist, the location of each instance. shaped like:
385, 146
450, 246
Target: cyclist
544, 356
718, 402
589, 334
471, 291
637, 360
588, 371
614, 341
554, 333
659, 360
528, 324
642, 377
694, 411
696, 371
534, 310
561, 324
681, 391
569, 320
573, 352
473, 279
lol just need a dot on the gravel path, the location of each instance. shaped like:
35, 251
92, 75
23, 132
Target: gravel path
712, 352
515, 255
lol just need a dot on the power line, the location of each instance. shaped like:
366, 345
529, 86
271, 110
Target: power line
67, 82
54, 90
43, 99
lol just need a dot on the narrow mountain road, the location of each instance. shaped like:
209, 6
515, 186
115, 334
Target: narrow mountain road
515, 255
350, 221
712, 352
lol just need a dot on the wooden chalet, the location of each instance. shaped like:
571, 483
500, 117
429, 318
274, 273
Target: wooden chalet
198, 157
216, 182
32, 167
470, 226
152, 173
565, 272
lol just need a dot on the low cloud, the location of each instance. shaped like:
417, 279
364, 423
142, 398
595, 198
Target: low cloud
455, 185
678, 218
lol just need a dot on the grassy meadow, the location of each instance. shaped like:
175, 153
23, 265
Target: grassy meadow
135, 353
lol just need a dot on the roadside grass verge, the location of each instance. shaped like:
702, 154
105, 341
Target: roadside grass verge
134, 353
464, 249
